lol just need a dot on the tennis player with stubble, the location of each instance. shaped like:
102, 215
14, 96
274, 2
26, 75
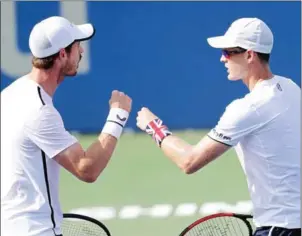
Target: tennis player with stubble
34, 141
263, 127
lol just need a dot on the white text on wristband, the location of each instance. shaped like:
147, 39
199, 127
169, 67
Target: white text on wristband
157, 130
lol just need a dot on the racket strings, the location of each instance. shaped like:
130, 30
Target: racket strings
75, 227
220, 226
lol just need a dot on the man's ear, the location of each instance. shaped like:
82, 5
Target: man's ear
62, 53
251, 55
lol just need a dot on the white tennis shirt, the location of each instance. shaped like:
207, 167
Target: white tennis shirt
32, 133
264, 128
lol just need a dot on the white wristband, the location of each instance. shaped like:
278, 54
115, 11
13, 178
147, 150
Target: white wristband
118, 115
116, 121
113, 129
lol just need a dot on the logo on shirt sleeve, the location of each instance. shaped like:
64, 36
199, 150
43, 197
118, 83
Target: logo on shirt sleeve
221, 135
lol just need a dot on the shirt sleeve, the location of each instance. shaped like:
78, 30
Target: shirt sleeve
238, 120
47, 131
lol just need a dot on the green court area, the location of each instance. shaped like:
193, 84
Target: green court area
142, 193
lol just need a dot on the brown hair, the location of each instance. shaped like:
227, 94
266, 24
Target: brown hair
48, 62
263, 57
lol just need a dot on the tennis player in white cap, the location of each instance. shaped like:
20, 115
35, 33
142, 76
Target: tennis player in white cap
34, 141
263, 127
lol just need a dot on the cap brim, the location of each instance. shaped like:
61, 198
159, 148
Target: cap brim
85, 32
221, 42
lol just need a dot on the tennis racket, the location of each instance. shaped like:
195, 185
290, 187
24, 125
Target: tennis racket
80, 225
220, 224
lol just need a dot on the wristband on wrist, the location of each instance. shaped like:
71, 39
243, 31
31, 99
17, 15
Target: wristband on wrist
157, 130
116, 121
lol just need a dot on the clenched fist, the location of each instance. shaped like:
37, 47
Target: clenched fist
120, 100
144, 116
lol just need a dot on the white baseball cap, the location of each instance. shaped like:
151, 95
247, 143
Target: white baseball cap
248, 33
49, 36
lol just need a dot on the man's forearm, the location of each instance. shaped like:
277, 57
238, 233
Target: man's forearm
87, 165
177, 150
192, 158
100, 152
188, 158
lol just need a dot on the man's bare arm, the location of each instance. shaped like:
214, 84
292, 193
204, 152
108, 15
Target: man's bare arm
187, 157
192, 158
88, 165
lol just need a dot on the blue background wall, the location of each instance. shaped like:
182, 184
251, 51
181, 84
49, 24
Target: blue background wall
158, 54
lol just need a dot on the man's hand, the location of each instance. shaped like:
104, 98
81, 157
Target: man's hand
144, 116
120, 100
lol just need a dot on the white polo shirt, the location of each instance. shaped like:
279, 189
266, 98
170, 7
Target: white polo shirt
264, 128
32, 133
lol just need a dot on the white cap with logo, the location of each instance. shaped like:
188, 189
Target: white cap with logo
49, 36
248, 33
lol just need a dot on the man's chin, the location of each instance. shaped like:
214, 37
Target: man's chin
233, 78
71, 74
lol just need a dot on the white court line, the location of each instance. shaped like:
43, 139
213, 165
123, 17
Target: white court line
159, 211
